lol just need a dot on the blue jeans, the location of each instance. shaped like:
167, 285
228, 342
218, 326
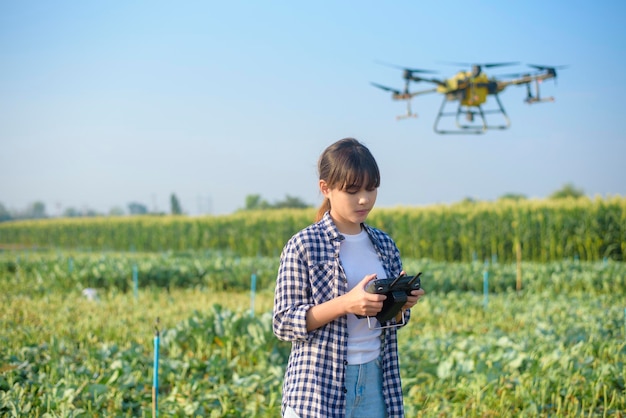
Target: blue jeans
364, 398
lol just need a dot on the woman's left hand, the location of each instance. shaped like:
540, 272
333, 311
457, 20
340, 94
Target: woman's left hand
413, 298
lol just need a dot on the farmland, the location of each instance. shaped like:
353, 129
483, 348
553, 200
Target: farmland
557, 347
525, 313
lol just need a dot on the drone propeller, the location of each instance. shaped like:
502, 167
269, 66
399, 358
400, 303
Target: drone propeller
394, 91
549, 69
412, 70
513, 75
498, 64
546, 68
483, 65
408, 73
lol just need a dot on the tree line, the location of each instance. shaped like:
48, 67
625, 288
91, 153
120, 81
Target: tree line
37, 210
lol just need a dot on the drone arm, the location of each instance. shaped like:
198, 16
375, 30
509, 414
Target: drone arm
428, 80
527, 80
420, 92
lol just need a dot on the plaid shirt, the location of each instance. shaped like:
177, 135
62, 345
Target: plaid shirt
310, 273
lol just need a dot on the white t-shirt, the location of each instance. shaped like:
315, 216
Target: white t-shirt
359, 259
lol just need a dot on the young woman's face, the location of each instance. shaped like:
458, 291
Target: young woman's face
350, 207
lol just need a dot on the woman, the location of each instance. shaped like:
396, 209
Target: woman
339, 366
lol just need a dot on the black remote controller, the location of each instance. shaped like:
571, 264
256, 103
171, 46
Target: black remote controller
396, 289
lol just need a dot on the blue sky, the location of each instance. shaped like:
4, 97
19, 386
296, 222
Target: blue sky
107, 103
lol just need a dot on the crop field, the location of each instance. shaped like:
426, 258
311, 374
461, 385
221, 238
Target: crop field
555, 348
542, 230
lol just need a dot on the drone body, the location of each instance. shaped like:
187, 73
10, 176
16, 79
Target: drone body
471, 90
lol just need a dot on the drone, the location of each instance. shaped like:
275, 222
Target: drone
471, 89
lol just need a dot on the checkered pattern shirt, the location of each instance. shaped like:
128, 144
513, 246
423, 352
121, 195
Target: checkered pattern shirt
310, 273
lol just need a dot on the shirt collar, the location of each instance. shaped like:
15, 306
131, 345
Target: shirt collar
331, 229
333, 233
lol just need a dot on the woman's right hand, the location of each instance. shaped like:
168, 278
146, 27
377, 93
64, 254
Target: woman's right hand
360, 302
357, 301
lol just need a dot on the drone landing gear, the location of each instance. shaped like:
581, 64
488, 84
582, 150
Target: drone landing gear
409, 113
471, 113
530, 98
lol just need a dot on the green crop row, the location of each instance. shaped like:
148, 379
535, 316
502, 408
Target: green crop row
535, 230
38, 272
124, 272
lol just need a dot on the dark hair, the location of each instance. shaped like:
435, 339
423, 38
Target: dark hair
346, 164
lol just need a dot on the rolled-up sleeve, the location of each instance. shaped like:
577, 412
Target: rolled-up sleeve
292, 297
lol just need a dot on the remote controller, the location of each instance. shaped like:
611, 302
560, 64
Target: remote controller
396, 289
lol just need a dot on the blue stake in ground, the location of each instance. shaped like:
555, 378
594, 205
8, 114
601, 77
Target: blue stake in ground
252, 293
485, 287
155, 372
